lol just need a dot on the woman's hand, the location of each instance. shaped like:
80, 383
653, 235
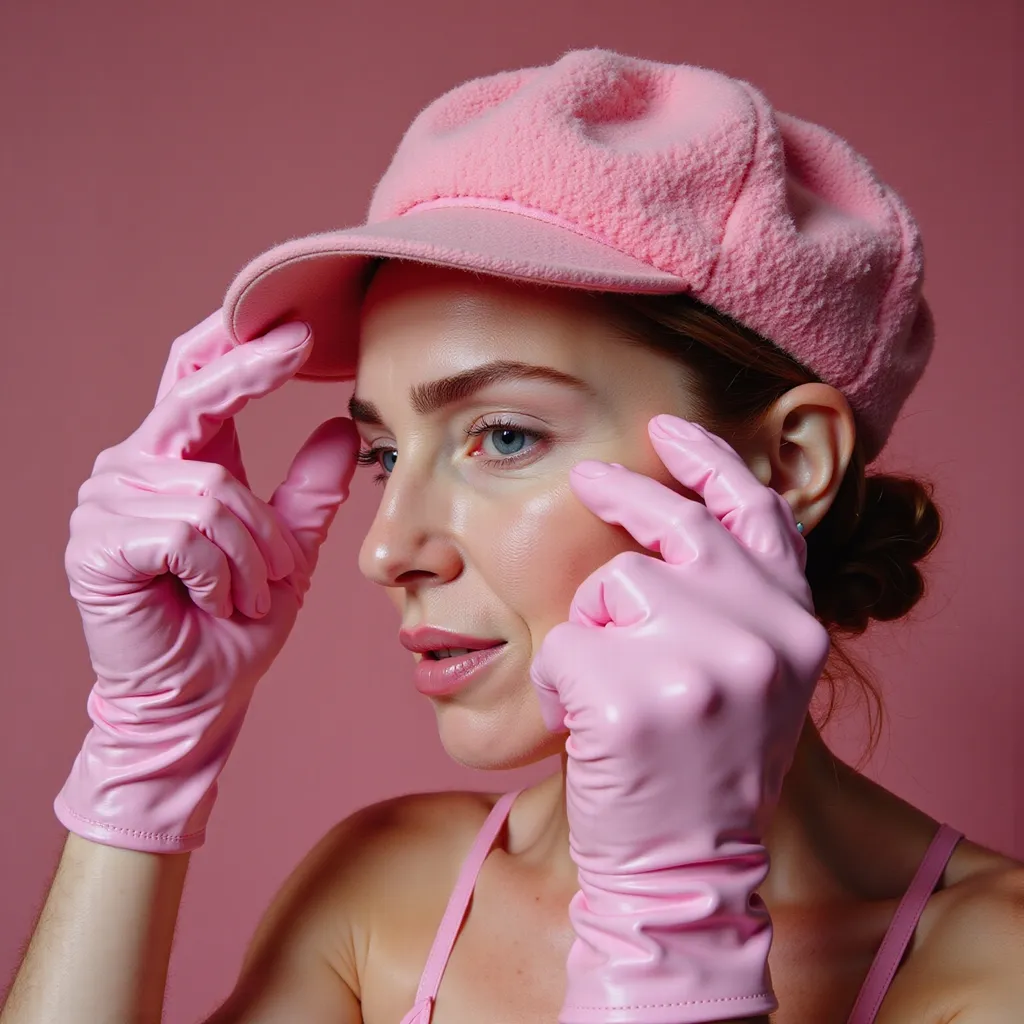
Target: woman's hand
188, 586
684, 682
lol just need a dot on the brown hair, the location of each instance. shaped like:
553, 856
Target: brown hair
862, 558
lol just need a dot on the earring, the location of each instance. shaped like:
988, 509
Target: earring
800, 527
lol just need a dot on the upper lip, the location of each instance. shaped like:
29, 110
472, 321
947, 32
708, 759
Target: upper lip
432, 638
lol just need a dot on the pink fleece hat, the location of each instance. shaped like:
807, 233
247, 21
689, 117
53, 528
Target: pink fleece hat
607, 172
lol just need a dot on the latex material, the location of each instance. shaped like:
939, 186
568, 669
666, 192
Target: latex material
188, 586
684, 682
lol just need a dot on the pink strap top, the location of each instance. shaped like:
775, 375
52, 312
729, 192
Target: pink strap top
901, 928
455, 912
876, 984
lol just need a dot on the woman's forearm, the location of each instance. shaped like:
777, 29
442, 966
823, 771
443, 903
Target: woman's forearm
100, 951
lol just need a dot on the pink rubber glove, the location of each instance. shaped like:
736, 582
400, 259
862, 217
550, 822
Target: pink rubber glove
188, 586
684, 682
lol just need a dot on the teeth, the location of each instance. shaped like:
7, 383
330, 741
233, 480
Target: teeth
449, 652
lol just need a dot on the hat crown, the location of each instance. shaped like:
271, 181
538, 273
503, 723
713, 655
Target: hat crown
611, 145
771, 219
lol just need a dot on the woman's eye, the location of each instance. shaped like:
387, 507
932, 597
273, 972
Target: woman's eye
507, 440
501, 444
384, 458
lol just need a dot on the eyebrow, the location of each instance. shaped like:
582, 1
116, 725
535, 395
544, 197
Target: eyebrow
435, 395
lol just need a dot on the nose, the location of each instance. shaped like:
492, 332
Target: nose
410, 541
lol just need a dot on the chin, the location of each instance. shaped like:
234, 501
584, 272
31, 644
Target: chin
495, 739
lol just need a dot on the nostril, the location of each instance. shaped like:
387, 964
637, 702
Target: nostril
412, 576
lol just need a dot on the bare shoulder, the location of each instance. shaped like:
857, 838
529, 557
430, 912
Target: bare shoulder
397, 844
372, 874
384, 860
972, 953
979, 932
406, 835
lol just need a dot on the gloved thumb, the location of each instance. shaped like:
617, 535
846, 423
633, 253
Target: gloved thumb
316, 485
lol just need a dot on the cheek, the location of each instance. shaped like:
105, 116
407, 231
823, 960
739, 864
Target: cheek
545, 548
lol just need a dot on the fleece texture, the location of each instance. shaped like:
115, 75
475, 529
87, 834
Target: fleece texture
604, 171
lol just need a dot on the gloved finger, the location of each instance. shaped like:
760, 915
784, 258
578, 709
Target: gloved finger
225, 450
105, 553
755, 514
552, 710
620, 592
125, 480
316, 485
548, 676
250, 592
670, 525
565, 673
195, 348
195, 408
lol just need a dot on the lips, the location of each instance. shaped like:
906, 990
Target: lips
437, 643
449, 661
448, 677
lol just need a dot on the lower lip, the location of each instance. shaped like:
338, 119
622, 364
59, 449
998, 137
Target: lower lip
443, 678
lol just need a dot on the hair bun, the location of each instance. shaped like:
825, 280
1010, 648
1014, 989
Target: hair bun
871, 572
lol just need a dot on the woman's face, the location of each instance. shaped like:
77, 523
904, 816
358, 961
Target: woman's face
479, 396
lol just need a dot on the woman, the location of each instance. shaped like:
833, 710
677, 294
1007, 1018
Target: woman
592, 524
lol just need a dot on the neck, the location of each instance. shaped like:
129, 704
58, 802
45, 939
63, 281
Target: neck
803, 837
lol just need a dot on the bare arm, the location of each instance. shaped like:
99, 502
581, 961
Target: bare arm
300, 964
101, 947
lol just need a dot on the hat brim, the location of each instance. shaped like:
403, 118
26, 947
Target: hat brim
320, 278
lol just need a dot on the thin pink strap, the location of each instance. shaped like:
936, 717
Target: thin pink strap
901, 929
458, 903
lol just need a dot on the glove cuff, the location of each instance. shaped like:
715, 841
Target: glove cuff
126, 836
679, 946
149, 788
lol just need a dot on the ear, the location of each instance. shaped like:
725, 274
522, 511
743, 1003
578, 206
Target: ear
802, 449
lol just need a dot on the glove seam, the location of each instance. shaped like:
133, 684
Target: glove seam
662, 1006
167, 836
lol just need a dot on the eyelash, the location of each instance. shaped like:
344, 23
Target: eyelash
371, 456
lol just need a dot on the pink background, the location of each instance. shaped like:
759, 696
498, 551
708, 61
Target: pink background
149, 150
